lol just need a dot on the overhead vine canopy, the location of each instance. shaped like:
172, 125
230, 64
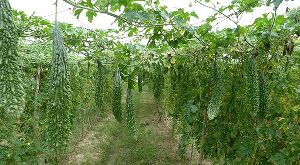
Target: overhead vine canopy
233, 93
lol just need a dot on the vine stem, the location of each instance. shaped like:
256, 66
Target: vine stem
36, 126
203, 135
56, 11
118, 17
96, 10
213, 8
54, 38
203, 130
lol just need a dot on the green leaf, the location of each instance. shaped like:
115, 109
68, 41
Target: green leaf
91, 15
89, 3
279, 20
136, 7
275, 2
132, 31
193, 14
77, 12
114, 8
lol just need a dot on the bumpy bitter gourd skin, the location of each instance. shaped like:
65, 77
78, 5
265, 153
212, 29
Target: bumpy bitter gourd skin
58, 114
130, 120
252, 85
12, 94
117, 97
215, 101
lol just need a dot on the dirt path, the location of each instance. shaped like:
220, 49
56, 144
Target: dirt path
111, 144
86, 150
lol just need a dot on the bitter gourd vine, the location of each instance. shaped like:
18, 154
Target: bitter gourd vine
168, 93
215, 101
12, 93
180, 84
130, 120
173, 87
117, 96
177, 84
58, 122
184, 138
100, 85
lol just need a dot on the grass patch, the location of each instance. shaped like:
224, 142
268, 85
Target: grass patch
114, 144
124, 149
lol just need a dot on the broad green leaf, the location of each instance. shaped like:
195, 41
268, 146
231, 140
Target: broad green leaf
77, 12
90, 15
194, 14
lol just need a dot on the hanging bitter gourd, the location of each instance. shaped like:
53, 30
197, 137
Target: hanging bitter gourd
263, 95
158, 82
215, 101
178, 81
140, 81
117, 96
100, 85
252, 85
12, 94
130, 120
58, 128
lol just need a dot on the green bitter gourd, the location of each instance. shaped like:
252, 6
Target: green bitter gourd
100, 85
117, 96
130, 120
12, 93
252, 85
58, 128
215, 101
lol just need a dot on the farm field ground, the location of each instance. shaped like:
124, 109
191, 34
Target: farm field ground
110, 143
